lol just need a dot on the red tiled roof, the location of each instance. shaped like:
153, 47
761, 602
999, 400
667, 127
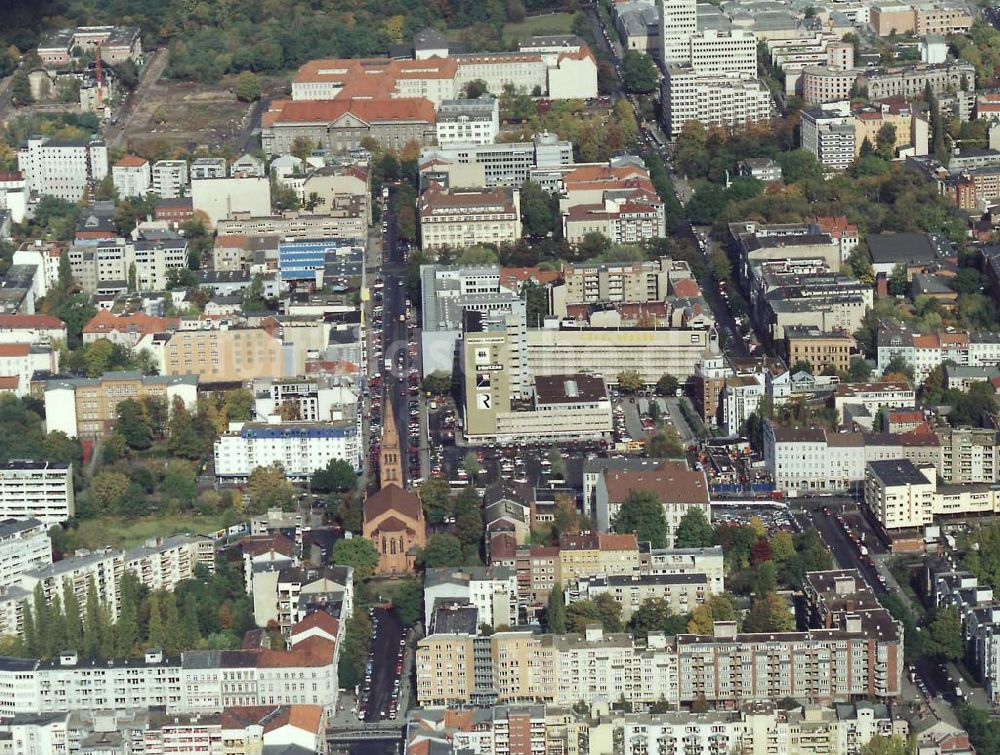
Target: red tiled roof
9, 382
131, 161
686, 287
14, 349
369, 111
31, 322
319, 620
106, 322
673, 482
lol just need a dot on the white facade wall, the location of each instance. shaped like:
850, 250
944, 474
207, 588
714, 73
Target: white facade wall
62, 169
131, 181
170, 178
24, 546
219, 198
239, 452
37, 489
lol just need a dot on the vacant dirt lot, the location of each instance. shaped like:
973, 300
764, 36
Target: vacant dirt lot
182, 115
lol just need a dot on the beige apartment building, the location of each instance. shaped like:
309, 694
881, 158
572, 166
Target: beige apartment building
87, 407
460, 218
631, 282
820, 349
968, 454
591, 554
681, 592
221, 355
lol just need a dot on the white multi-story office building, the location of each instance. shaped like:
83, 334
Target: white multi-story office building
63, 169
707, 561
299, 447
716, 52
712, 99
110, 264
506, 164
39, 489
468, 121
678, 23
170, 178
24, 546
828, 134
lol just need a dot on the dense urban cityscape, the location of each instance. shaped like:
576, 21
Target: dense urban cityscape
543, 377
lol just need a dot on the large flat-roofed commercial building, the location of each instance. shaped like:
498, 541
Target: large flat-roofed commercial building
713, 99
447, 293
505, 164
41, 490
606, 352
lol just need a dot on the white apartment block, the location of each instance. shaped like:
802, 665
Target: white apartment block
170, 179
315, 400
13, 194
899, 494
468, 121
968, 455
828, 134
678, 23
707, 561
160, 564
19, 361
299, 447
39, 489
492, 591
108, 264
681, 592
131, 176
811, 459
63, 169
715, 52
925, 352
24, 546
208, 167
199, 682
711, 99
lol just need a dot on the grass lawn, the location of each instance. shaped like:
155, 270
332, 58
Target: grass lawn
555, 23
122, 533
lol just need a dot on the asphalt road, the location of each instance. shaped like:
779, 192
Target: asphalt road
384, 650
151, 72
394, 340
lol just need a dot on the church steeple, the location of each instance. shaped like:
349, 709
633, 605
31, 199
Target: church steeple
390, 465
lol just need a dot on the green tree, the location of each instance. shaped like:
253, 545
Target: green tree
946, 633
899, 284
860, 264
351, 668
337, 476
642, 513
132, 424
799, 165
408, 600
435, 495
694, 530
629, 381
92, 624
247, 87
654, 616
238, 405
667, 385
43, 644
20, 89
438, 383
127, 626
894, 745
716, 608
967, 281
555, 614
885, 141
107, 490
557, 463
357, 552
73, 624
639, 74
155, 630
442, 549
475, 89
471, 465
179, 484
539, 211
665, 444
769, 613
183, 440
268, 488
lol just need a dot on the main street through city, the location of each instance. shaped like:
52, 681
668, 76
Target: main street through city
394, 338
